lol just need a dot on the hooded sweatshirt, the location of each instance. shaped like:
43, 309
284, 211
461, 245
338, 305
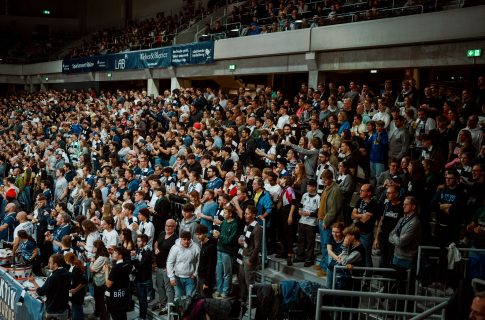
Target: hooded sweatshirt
183, 262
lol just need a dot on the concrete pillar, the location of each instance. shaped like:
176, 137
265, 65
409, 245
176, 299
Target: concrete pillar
153, 87
313, 79
43, 86
174, 83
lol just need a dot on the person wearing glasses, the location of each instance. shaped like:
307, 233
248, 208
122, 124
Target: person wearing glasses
447, 208
364, 217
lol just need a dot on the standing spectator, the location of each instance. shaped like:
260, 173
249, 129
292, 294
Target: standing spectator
390, 214
286, 213
248, 254
329, 212
377, 145
399, 139
163, 244
145, 227
226, 244
189, 220
334, 248
56, 289
60, 190
142, 262
307, 224
206, 271
78, 285
209, 210
182, 266
364, 216
118, 283
446, 209
264, 204
110, 236
406, 236
311, 155
101, 258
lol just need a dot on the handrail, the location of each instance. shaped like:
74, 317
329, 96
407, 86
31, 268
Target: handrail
442, 302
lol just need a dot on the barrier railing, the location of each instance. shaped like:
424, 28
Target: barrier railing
434, 277
377, 279
344, 304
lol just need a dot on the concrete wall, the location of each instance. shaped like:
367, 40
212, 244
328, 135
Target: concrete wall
315, 50
466, 23
264, 44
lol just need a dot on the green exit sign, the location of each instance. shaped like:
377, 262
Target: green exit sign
46, 12
232, 67
474, 53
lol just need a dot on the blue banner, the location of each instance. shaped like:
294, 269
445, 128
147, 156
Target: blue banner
10, 308
196, 53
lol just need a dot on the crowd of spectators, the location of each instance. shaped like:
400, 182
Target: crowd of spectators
148, 33
94, 173
259, 17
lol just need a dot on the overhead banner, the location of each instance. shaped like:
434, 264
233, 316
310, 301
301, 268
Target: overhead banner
196, 53
11, 306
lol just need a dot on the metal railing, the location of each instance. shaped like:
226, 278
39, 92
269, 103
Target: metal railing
435, 279
378, 279
344, 304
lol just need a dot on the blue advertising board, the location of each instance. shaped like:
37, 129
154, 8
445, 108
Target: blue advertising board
10, 308
196, 53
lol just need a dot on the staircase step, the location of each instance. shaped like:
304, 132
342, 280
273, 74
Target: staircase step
277, 270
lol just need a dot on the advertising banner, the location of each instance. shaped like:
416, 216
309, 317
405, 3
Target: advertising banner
11, 306
196, 53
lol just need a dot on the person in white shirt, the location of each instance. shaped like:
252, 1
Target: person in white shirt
91, 233
382, 115
145, 226
284, 117
109, 236
24, 224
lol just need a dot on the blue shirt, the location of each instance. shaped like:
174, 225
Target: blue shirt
209, 209
7, 234
27, 249
59, 233
138, 206
214, 184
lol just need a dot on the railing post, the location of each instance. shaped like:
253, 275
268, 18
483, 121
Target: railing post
263, 251
318, 310
249, 301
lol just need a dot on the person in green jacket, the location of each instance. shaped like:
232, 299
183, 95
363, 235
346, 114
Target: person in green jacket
226, 250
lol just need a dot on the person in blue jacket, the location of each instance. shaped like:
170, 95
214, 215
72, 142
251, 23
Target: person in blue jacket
377, 144
264, 205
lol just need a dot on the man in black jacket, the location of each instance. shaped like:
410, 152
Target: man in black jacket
163, 244
143, 276
207, 261
56, 289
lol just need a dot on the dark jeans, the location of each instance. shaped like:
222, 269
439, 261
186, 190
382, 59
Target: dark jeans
387, 251
142, 291
306, 242
287, 232
99, 305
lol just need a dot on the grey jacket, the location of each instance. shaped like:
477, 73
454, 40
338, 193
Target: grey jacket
406, 244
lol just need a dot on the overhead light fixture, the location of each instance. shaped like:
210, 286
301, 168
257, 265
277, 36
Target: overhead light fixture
373, 71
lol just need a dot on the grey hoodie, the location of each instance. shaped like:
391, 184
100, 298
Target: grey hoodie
183, 262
